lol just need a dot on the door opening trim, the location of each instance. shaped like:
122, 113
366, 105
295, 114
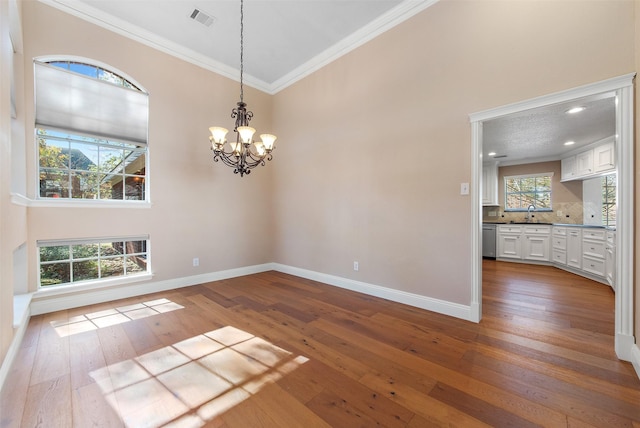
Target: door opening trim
623, 88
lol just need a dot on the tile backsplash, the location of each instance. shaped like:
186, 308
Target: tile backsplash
571, 213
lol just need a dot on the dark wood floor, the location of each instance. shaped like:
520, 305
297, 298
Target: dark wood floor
273, 350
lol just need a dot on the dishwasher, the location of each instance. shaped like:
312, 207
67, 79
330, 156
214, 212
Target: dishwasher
489, 241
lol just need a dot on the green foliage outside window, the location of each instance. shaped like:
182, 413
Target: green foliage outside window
65, 264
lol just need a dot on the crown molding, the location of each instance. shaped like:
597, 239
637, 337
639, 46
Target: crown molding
390, 19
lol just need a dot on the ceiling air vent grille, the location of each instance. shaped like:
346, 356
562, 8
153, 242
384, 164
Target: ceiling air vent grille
202, 17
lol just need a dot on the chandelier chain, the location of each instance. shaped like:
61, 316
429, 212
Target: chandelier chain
241, 49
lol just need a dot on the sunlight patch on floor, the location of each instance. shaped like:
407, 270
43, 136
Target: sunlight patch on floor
193, 381
109, 317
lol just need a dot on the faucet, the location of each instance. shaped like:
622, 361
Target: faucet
529, 217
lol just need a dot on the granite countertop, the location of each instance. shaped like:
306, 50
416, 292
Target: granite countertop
589, 226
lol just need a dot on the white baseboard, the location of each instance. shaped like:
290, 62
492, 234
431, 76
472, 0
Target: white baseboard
51, 303
435, 305
635, 358
12, 352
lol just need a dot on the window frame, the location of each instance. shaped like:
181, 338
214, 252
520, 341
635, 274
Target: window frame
133, 85
95, 283
525, 176
608, 203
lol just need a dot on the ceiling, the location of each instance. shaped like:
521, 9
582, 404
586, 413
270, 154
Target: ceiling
284, 40
539, 134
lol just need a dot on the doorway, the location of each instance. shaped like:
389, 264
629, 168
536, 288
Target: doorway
623, 88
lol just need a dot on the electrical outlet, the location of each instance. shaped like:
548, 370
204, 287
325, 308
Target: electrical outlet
559, 213
196, 262
356, 266
493, 214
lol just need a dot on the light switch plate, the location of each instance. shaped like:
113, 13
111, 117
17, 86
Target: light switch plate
464, 188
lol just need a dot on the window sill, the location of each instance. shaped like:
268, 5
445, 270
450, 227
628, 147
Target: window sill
51, 291
76, 203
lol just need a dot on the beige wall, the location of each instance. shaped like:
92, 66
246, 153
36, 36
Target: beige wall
13, 218
565, 196
372, 148
199, 209
388, 133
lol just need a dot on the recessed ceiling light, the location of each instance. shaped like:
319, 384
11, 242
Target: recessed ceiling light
569, 143
492, 154
575, 110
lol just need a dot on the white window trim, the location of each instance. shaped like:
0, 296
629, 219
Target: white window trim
538, 174
93, 284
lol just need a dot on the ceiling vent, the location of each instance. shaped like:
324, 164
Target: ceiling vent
202, 17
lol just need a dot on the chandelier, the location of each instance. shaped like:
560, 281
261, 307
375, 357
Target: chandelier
244, 154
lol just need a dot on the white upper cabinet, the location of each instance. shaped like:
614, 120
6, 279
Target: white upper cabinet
604, 157
568, 168
589, 163
584, 163
490, 183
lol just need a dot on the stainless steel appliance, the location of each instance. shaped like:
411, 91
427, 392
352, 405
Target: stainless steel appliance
489, 241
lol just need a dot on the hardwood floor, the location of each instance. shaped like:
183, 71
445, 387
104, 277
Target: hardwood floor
273, 350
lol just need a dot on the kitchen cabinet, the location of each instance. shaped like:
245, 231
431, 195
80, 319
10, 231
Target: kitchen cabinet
509, 242
593, 251
574, 247
588, 163
584, 163
524, 242
610, 259
568, 168
604, 157
559, 245
490, 184
536, 243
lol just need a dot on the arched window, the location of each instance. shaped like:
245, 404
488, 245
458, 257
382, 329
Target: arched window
91, 130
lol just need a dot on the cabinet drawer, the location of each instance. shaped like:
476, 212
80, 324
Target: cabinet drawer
593, 248
594, 266
559, 256
509, 229
560, 231
611, 238
537, 230
559, 243
594, 234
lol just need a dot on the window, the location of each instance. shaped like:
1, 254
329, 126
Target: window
78, 167
525, 190
609, 203
91, 131
70, 262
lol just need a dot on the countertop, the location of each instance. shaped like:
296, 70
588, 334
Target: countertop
586, 226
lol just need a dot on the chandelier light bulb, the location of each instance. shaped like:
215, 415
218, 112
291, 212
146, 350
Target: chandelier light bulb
218, 134
236, 147
269, 141
246, 133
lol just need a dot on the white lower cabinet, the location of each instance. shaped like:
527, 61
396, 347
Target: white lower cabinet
589, 251
559, 245
509, 242
593, 249
610, 259
536, 243
574, 247
524, 242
